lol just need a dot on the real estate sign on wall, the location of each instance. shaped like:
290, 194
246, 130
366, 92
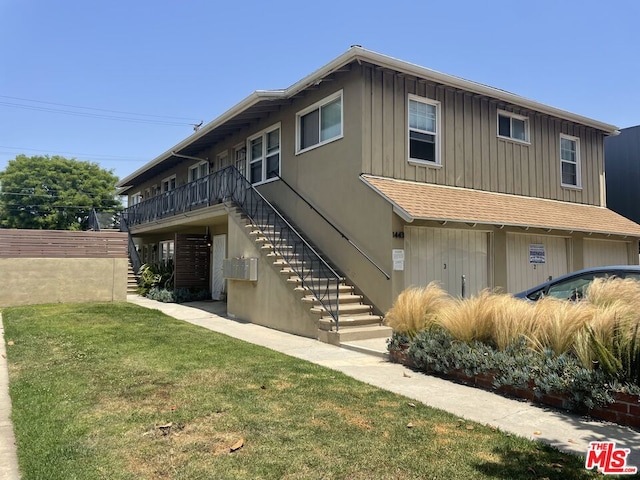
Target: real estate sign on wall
536, 253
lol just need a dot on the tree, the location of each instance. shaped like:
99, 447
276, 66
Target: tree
54, 193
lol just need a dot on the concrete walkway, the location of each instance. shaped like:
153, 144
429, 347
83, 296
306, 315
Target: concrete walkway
569, 433
8, 457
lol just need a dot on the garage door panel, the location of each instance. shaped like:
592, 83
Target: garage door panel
521, 273
444, 256
598, 253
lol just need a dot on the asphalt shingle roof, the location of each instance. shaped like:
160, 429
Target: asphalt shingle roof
425, 201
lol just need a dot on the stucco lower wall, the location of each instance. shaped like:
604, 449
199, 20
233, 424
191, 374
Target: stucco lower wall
270, 301
28, 281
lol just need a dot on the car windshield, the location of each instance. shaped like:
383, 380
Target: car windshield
572, 288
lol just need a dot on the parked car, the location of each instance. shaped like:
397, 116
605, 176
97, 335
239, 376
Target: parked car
574, 285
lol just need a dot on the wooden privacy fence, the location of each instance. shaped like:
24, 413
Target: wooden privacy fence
62, 244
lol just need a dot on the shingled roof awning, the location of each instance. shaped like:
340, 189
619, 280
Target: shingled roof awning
425, 201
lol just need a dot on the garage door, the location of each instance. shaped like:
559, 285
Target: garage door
532, 259
598, 253
445, 255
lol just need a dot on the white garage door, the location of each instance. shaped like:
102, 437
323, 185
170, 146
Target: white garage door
445, 255
598, 253
532, 259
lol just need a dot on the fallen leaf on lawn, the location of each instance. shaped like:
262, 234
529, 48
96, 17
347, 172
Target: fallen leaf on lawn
470, 427
412, 405
537, 432
409, 425
11, 343
237, 446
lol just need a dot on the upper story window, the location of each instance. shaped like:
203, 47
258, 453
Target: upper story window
320, 123
570, 160
424, 130
199, 170
168, 184
264, 155
512, 126
136, 198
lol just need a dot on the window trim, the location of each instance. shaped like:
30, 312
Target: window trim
578, 184
437, 133
248, 160
511, 115
169, 178
197, 166
171, 250
136, 196
318, 106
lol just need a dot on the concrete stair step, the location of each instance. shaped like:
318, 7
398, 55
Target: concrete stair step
344, 310
354, 320
343, 298
352, 334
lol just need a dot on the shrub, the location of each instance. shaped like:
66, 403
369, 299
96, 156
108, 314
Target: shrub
416, 309
517, 366
152, 275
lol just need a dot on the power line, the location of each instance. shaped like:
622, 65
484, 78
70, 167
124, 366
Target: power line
93, 115
96, 109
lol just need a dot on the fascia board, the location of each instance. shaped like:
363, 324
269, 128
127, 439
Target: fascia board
249, 101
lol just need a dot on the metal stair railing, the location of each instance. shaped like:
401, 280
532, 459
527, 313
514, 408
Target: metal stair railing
229, 185
134, 256
314, 272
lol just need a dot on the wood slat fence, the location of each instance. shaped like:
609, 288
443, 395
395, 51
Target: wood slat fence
62, 244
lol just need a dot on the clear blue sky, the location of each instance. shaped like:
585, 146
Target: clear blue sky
155, 67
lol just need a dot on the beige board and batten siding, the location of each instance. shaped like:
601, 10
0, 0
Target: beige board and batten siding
471, 153
522, 272
444, 256
599, 253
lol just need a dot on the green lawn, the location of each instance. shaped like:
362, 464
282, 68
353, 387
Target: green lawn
116, 391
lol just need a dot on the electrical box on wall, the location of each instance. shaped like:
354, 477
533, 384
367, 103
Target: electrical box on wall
240, 269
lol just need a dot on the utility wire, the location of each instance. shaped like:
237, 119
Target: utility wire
96, 109
93, 115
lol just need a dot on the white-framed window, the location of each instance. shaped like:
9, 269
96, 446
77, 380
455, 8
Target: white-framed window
168, 184
264, 154
570, 161
166, 250
240, 154
198, 170
320, 123
513, 126
222, 160
424, 130
136, 198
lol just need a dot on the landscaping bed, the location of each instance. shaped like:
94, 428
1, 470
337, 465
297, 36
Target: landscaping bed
579, 356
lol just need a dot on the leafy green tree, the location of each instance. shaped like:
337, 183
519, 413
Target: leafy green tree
54, 193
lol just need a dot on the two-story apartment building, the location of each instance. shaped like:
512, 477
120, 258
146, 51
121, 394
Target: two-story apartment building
396, 175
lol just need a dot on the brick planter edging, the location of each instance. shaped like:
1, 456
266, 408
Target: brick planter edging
625, 410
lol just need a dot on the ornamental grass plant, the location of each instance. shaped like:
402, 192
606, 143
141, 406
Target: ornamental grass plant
417, 308
601, 331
